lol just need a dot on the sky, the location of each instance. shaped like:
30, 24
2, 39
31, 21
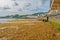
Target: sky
22, 7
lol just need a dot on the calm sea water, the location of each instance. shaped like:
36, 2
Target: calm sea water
2, 20
6, 20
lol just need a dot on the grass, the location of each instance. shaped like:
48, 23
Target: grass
57, 25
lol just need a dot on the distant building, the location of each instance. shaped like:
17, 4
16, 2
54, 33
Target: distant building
31, 16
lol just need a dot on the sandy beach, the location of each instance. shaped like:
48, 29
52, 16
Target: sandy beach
28, 30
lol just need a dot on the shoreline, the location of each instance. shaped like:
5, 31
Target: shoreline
17, 20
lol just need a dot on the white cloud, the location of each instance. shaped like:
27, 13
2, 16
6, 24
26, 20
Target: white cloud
24, 6
5, 3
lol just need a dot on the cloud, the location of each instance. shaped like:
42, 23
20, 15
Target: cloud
5, 3
16, 4
44, 1
13, 0
6, 8
23, 6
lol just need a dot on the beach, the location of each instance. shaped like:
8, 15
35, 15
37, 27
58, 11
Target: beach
28, 30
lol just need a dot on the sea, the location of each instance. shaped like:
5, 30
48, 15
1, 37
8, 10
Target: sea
5, 20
